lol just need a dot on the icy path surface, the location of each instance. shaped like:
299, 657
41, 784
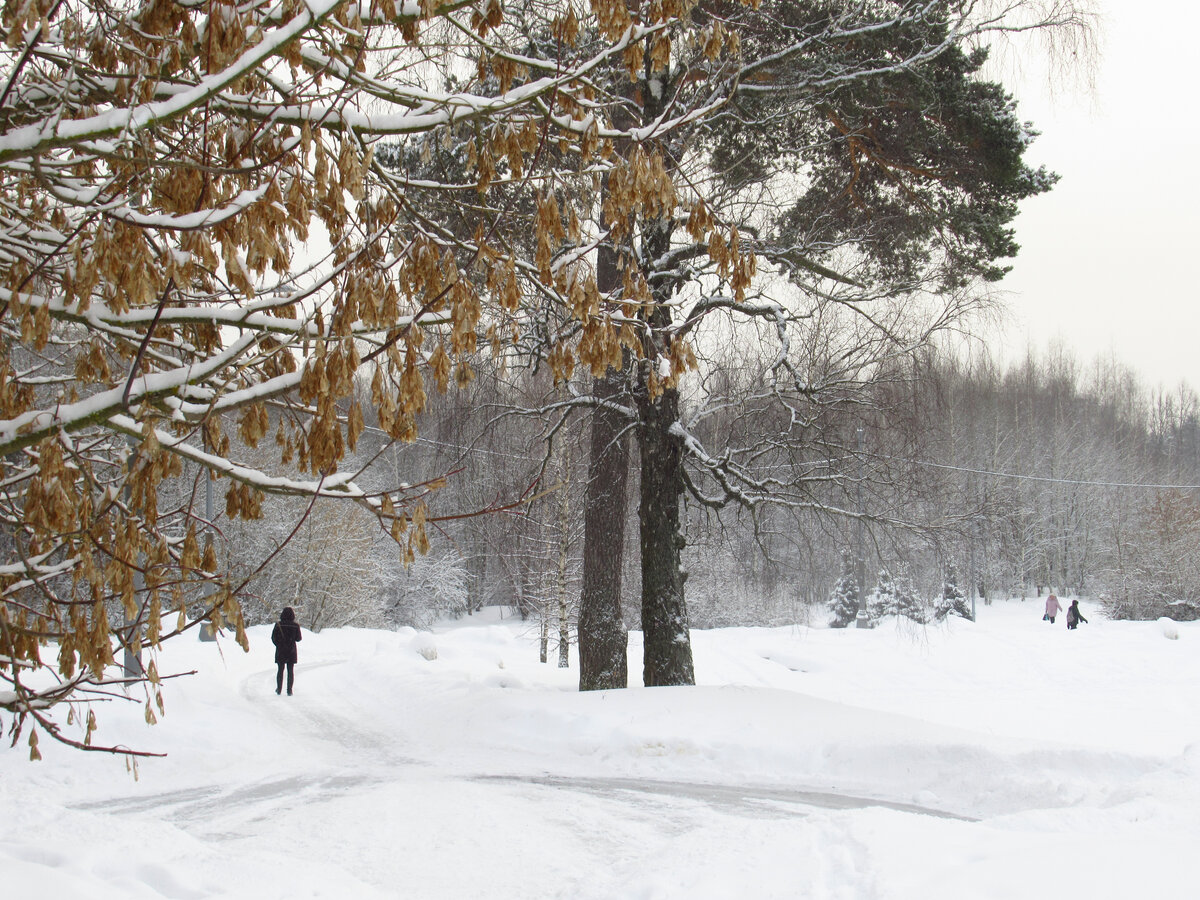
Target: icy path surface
1003, 759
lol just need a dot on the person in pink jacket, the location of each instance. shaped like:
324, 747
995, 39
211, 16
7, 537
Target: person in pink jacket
1053, 608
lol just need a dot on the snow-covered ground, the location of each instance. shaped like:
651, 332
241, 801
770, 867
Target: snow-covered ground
1007, 758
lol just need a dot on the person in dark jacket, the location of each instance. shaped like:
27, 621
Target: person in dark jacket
285, 636
1074, 616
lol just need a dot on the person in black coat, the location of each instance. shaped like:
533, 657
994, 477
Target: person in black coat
1074, 616
285, 636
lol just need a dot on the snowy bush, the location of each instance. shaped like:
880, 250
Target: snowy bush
325, 563
1146, 605
433, 588
722, 592
723, 604
1158, 572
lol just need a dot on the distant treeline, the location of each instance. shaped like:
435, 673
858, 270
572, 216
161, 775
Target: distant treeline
1044, 475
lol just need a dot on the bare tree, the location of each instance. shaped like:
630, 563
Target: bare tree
329, 564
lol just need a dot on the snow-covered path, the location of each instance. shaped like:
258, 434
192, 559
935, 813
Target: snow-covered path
1003, 759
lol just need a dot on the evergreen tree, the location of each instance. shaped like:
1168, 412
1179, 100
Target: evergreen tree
843, 600
882, 599
908, 599
952, 601
895, 595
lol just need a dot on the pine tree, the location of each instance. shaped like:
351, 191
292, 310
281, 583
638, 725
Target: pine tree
843, 600
908, 599
882, 599
852, 153
952, 601
895, 595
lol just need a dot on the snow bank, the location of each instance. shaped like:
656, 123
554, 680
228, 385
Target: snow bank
1169, 628
1006, 758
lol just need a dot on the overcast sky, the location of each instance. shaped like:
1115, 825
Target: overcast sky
1108, 258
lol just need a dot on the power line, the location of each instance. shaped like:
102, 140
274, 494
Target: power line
464, 451
1046, 479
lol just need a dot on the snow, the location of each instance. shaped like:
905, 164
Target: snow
16, 143
1003, 759
206, 218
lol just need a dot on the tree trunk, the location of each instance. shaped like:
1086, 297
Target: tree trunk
544, 631
603, 662
603, 640
667, 656
564, 548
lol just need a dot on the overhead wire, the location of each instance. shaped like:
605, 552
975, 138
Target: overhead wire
1045, 478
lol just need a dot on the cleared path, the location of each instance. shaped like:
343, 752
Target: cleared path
729, 797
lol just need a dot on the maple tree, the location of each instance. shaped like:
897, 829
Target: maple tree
199, 254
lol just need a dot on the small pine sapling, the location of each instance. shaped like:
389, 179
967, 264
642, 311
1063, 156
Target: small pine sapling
843, 599
952, 601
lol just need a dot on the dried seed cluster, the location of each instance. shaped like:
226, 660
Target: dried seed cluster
169, 173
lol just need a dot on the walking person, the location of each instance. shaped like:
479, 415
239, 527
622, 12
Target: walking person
1074, 616
1053, 608
285, 636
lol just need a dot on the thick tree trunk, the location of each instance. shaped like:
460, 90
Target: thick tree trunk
603, 661
603, 640
667, 656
